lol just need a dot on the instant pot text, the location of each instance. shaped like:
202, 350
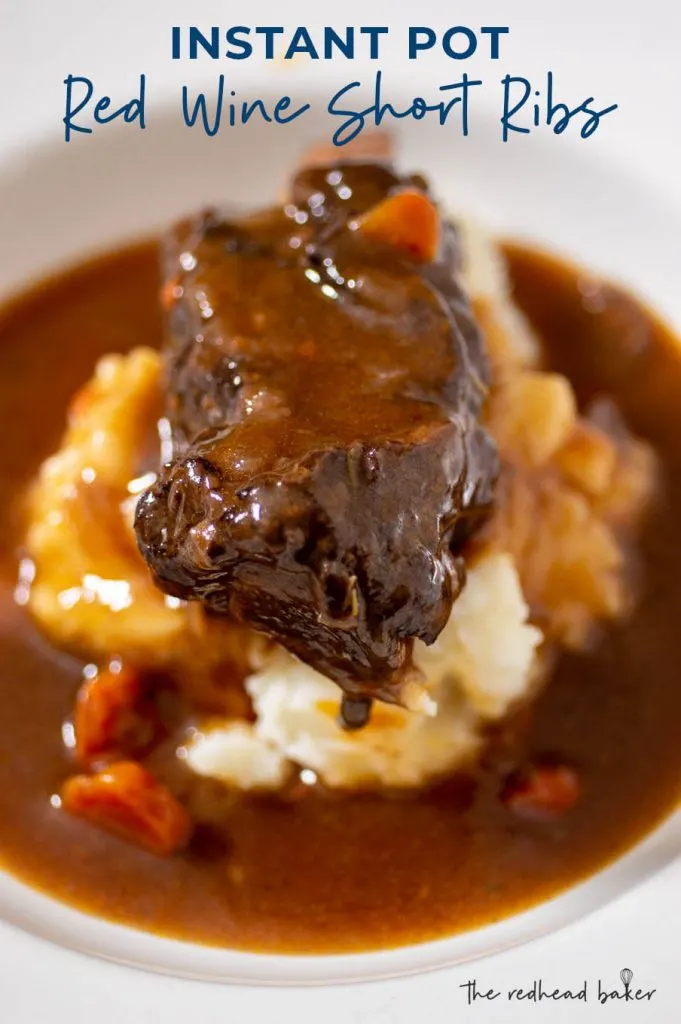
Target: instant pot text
524, 105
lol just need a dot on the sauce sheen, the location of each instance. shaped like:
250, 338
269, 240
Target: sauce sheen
320, 872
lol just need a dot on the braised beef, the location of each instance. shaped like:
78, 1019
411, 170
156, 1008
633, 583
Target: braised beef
325, 377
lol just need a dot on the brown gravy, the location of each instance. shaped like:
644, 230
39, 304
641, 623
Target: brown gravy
328, 873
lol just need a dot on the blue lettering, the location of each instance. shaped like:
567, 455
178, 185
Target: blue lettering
464, 85
71, 111
594, 119
355, 120
301, 43
197, 39
201, 108
269, 32
248, 109
414, 40
333, 40
447, 42
131, 111
374, 32
494, 32
556, 115
509, 111
232, 36
283, 104
555, 108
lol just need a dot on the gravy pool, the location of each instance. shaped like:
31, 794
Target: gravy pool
328, 873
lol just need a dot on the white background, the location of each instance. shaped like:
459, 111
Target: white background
621, 51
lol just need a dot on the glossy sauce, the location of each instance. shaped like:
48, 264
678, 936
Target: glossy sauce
318, 373
320, 872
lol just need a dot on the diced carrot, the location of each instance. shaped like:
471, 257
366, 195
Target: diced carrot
308, 349
369, 146
112, 717
407, 220
80, 401
128, 801
169, 294
546, 791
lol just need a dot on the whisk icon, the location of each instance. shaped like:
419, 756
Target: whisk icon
626, 975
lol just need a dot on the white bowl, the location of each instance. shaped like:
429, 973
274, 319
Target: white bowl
58, 202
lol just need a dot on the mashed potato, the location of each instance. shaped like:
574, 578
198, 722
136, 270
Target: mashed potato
90, 587
480, 664
85, 582
509, 337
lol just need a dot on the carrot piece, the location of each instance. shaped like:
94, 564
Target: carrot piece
369, 146
112, 715
407, 220
128, 801
546, 791
169, 294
